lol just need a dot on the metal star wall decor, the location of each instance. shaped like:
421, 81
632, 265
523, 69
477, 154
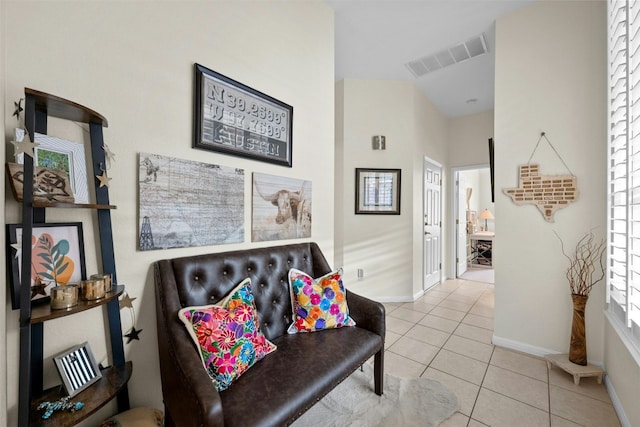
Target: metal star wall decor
133, 334
18, 109
39, 288
104, 179
18, 248
25, 146
126, 301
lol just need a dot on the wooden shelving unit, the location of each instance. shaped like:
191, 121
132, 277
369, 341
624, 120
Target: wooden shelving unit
112, 381
38, 107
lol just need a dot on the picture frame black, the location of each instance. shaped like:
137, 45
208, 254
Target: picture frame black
78, 368
235, 119
67, 259
378, 191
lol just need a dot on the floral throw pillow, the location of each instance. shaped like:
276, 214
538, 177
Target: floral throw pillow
318, 304
227, 335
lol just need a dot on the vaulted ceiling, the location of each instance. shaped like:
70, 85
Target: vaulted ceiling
378, 39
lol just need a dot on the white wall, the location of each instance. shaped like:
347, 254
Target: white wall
133, 63
387, 247
468, 139
550, 76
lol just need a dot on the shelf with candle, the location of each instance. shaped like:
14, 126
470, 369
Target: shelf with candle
43, 312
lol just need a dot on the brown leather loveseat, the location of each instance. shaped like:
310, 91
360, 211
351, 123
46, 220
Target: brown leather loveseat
287, 382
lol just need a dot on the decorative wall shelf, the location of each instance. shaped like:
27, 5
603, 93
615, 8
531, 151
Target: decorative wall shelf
38, 107
43, 312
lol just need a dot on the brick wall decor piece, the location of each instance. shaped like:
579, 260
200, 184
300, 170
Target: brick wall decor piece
547, 192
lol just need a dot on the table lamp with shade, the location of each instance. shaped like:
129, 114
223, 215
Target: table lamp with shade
486, 214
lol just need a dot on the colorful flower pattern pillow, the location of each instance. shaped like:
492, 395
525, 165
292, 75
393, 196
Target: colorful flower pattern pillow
318, 304
227, 335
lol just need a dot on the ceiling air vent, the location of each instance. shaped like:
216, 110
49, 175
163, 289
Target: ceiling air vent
461, 52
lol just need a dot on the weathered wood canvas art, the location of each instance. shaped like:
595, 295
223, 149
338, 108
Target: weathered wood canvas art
49, 185
185, 203
281, 208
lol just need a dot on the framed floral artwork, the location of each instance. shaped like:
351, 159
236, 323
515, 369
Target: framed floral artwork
57, 258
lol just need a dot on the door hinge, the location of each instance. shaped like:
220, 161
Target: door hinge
457, 221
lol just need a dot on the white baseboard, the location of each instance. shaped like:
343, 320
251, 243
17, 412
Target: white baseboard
530, 349
521, 347
617, 406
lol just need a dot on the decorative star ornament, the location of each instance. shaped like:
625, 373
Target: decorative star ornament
126, 301
25, 146
38, 288
133, 334
104, 179
18, 248
18, 109
108, 154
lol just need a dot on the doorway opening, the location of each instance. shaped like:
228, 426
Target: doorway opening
473, 234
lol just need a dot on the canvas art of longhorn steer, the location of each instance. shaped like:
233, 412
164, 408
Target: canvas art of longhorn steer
281, 208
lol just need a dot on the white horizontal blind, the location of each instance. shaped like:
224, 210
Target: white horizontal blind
623, 263
633, 285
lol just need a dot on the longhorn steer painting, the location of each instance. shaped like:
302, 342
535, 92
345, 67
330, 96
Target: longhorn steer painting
281, 208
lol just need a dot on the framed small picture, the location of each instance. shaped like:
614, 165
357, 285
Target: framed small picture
378, 191
232, 118
77, 368
57, 258
68, 156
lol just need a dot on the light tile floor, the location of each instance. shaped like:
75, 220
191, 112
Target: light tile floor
446, 336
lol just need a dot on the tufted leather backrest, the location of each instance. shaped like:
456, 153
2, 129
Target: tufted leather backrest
206, 279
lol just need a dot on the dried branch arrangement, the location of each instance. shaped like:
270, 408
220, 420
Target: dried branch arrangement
583, 264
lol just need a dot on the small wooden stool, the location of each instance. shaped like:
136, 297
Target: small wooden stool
578, 371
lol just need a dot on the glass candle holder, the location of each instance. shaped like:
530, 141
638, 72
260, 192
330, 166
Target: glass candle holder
64, 296
92, 289
108, 286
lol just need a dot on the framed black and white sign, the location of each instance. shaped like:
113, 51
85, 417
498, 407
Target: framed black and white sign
232, 118
78, 368
378, 191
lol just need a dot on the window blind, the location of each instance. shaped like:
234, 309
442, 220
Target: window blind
623, 246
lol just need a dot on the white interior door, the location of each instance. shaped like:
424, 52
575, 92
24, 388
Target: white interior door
432, 224
461, 224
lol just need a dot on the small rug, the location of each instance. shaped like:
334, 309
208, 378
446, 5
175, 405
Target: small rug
405, 402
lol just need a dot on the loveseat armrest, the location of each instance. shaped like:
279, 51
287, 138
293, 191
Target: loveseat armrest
368, 314
189, 396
